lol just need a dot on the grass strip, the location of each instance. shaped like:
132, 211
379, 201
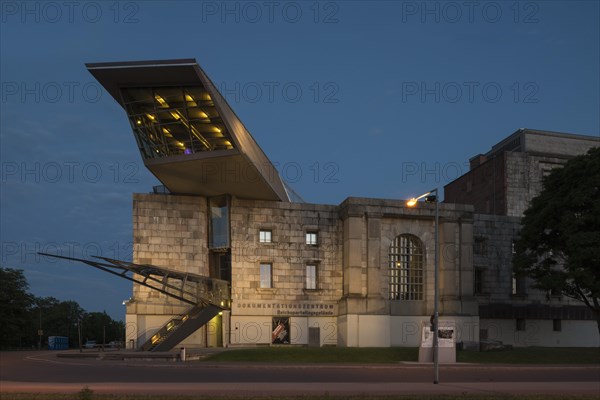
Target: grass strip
346, 355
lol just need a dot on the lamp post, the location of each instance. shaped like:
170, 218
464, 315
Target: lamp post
432, 197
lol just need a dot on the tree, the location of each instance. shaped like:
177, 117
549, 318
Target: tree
22, 314
559, 244
15, 307
59, 318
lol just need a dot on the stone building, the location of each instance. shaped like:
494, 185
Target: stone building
226, 254
500, 185
356, 274
504, 180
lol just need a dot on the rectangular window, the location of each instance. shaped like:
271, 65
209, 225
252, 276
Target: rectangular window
311, 276
520, 326
265, 236
311, 238
406, 276
478, 281
518, 285
219, 222
557, 325
266, 279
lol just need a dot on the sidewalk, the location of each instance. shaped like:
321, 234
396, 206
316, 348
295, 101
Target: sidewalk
299, 389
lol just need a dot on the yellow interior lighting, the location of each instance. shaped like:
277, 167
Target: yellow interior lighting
179, 117
161, 101
190, 100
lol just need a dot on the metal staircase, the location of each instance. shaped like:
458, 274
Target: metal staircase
177, 329
207, 296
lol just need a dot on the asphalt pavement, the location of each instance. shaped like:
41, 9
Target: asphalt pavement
46, 373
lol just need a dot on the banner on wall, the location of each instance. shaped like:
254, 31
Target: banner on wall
281, 330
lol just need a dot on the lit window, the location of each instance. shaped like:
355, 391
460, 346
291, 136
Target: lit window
311, 276
266, 280
311, 238
265, 236
406, 268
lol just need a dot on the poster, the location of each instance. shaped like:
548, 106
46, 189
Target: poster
281, 330
445, 336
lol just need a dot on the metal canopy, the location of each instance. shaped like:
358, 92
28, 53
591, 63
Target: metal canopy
187, 287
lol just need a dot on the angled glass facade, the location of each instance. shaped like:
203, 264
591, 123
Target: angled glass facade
169, 121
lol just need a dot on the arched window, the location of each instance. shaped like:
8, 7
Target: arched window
406, 268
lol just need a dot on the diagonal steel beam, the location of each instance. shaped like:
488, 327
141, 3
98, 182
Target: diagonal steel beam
105, 267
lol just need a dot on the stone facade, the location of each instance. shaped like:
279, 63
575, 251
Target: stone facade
500, 185
351, 302
504, 180
350, 305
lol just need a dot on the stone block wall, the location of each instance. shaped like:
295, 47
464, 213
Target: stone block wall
370, 227
493, 237
492, 252
288, 252
524, 178
170, 232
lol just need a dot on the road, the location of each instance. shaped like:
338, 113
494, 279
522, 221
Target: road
44, 372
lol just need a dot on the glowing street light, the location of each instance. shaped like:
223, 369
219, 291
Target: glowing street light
432, 197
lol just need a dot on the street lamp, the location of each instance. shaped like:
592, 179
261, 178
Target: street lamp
432, 197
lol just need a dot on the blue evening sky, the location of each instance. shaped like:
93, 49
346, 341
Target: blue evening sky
381, 99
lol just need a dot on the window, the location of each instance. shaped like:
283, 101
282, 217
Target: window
219, 222
557, 325
311, 276
406, 268
555, 292
479, 245
311, 238
265, 236
520, 324
266, 279
518, 285
478, 281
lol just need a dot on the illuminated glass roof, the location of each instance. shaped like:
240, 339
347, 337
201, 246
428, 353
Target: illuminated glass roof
187, 134
175, 120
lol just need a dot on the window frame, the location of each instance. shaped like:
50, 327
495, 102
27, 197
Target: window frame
406, 268
309, 236
266, 232
557, 325
314, 274
478, 281
262, 275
